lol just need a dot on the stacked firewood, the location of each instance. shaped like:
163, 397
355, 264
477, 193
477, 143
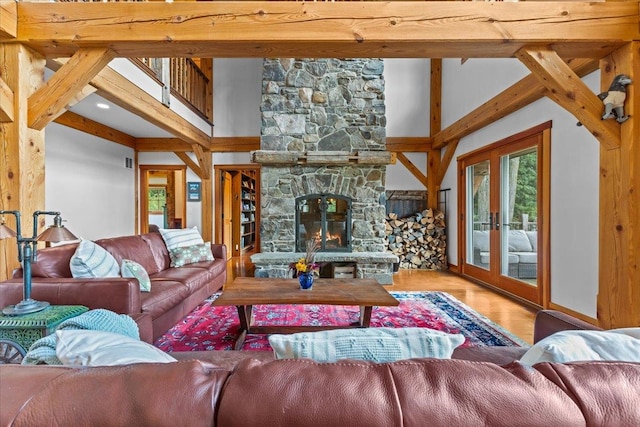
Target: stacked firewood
419, 240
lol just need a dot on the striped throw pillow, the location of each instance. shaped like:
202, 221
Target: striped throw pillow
179, 238
91, 261
373, 344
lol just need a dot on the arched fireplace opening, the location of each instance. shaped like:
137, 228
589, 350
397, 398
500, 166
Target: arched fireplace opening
325, 218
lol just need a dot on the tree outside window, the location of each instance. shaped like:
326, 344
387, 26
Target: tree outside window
157, 200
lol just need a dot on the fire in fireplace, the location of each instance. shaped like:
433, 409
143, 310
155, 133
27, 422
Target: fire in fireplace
325, 218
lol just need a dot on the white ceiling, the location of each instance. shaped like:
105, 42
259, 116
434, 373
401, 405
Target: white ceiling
117, 118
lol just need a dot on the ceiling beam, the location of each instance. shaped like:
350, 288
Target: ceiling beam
122, 92
408, 144
231, 144
517, 96
91, 127
190, 163
402, 29
6, 102
8, 20
569, 91
205, 161
52, 98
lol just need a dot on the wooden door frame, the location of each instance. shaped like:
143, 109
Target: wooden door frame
219, 199
544, 211
144, 186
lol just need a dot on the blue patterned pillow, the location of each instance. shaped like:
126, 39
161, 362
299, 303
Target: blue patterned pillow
131, 268
176, 238
91, 261
373, 344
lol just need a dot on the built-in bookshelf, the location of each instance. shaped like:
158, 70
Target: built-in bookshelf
247, 210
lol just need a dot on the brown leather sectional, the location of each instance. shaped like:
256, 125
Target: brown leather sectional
174, 291
416, 392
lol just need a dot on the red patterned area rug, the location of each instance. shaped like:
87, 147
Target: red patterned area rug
210, 327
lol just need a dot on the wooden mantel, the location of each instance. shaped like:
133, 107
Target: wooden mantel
546, 36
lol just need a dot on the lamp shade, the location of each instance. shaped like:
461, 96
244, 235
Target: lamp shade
6, 232
56, 233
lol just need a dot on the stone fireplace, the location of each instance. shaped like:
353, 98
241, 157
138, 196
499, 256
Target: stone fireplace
323, 164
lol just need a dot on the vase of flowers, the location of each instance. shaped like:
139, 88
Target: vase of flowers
306, 268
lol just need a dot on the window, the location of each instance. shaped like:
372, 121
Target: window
157, 200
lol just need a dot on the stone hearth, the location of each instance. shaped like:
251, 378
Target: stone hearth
323, 132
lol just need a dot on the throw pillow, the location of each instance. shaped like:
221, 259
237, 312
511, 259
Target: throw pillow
175, 238
189, 255
574, 346
97, 348
373, 344
91, 261
131, 268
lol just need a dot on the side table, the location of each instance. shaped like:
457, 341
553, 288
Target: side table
17, 333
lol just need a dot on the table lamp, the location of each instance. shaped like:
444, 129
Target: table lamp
27, 247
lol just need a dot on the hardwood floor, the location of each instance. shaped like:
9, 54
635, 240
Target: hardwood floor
511, 315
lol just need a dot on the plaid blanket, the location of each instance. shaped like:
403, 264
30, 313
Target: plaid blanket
44, 350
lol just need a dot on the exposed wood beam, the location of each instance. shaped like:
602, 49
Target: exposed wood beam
408, 144
517, 96
22, 149
190, 163
6, 102
233, 144
566, 89
51, 99
162, 144
402, 29
121, 91
206, 203
435, 123
116, 88
619, 217
8, 20
446, 159
205, 159
412, 168
91, 127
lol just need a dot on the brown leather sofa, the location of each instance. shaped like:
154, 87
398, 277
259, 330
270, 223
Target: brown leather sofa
229, 388
415, 392
174, 291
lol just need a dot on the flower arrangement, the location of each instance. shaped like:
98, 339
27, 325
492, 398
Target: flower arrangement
307, 263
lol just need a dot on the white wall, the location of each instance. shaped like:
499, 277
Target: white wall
237, 92
86, 180
574, 174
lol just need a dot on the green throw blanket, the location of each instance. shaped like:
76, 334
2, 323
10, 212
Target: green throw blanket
44, 350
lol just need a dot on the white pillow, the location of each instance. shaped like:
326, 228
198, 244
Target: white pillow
131, 268
576, 346
374, 344
176, 238
91, 261
96, 348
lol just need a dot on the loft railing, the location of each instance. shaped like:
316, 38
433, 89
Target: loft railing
184, 78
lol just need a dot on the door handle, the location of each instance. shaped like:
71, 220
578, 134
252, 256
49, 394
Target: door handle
497, 220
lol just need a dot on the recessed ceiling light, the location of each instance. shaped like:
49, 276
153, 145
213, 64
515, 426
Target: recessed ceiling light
102, 105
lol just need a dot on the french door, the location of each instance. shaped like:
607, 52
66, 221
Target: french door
504, 211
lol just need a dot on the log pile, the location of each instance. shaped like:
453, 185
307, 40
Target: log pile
419, 241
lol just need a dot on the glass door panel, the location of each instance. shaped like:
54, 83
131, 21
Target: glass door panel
480, 225
518, 214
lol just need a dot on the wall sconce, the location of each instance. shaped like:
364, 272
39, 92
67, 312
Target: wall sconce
27, 247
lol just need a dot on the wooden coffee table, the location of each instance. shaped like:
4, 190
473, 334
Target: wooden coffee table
245, 292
